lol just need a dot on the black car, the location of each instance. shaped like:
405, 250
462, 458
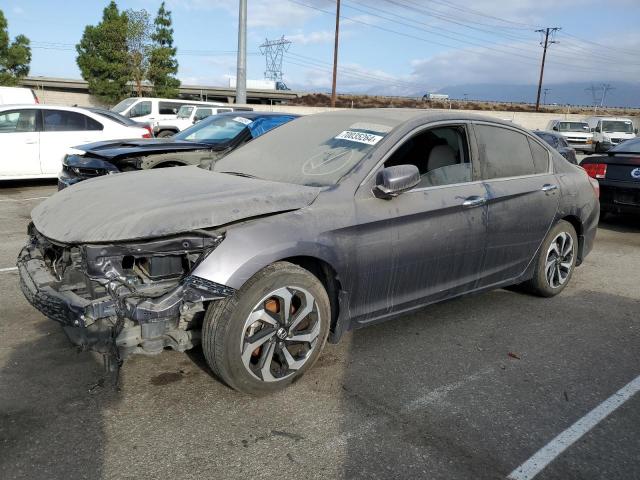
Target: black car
122, 120
558, 142
618, 173
202, 144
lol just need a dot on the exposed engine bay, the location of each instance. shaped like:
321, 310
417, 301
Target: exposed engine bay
126, 297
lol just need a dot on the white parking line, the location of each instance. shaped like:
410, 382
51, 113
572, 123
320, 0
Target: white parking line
555, 447
22, 199
9, 269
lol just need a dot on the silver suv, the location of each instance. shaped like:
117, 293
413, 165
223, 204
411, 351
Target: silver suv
577, 134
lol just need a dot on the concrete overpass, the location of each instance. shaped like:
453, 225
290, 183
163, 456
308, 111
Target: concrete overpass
72, 91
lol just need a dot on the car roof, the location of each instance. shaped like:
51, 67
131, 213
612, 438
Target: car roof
404, 115
40, 106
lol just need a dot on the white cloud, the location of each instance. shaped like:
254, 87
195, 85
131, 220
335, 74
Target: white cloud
322, 36
17, 10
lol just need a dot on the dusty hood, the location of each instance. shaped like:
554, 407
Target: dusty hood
155, 203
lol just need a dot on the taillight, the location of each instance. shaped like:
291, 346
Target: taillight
595, 170
149, 133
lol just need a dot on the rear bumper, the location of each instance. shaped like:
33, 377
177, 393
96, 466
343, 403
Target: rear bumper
620, 197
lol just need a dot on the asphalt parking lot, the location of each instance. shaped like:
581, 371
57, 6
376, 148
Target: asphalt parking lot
468, 389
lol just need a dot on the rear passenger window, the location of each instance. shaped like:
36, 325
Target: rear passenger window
540, 157
64, 121
503, 152
168, 108
140, 109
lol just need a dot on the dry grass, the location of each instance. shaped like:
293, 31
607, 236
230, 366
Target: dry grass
370, 101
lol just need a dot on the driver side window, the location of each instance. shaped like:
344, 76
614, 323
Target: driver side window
441, 155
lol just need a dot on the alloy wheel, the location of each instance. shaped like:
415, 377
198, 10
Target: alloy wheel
280, 334
559, 260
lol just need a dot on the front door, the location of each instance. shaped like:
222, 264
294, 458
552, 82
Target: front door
19, 138
426, 244
522, 199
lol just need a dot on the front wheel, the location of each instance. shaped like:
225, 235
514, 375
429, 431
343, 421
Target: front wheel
555, 262
269, 332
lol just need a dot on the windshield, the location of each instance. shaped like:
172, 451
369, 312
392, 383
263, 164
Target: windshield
315, 150
629, 146
123, 105
185, 111
215, 130
624, 126
573, 127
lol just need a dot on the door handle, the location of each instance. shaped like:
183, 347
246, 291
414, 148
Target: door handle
549, 187
474, 201
30, 142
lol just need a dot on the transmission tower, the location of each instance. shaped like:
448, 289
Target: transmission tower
273, 51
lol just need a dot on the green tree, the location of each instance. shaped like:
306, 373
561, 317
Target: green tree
103, 55
138, 46
15, 57
163, 65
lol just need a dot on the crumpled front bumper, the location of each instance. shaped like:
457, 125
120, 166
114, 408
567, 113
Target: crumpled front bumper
89, 323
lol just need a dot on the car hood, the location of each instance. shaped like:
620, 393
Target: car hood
113, 150
156, 203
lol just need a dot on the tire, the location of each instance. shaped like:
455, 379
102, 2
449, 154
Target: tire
165, 133
598, 148
227, 326
554, 264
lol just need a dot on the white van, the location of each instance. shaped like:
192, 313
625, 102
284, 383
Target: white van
188, 115
144, 109
610, 131
577, 134
17, 95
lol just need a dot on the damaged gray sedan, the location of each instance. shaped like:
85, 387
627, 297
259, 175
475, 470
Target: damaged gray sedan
326, 224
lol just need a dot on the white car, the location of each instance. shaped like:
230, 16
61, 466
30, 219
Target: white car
149, 109
610, 131
35, 138
189, 115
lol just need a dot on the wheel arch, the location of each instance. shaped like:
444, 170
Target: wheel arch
577, 225
329, 278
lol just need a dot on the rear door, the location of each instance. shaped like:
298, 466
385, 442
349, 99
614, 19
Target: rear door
19, 138
63, 129
522, 199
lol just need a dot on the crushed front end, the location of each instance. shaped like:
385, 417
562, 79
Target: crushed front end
122, 298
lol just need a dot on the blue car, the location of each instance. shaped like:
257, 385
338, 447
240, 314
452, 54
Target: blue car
202, 144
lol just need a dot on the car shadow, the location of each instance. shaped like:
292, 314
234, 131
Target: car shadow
52, 401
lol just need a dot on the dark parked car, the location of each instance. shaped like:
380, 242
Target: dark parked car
203, 143
618, 173
116, 117
332, 222
558, 142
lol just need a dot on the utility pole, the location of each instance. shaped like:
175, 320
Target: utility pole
241, 76
335, 56
545, 32
544, 99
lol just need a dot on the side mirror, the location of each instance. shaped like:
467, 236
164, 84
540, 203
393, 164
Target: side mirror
392, 181
555, 127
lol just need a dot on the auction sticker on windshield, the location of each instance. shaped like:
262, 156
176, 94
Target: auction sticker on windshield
242, 120
360, 137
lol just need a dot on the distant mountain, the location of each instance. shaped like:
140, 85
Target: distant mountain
621, 94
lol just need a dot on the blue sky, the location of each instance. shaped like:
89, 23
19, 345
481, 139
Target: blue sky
390, 46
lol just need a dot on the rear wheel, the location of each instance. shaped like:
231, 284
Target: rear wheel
165, 133
269, 332
556, 261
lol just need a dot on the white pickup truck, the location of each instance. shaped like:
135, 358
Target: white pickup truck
189, 115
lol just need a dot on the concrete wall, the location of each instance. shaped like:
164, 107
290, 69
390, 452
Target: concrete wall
529, 120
